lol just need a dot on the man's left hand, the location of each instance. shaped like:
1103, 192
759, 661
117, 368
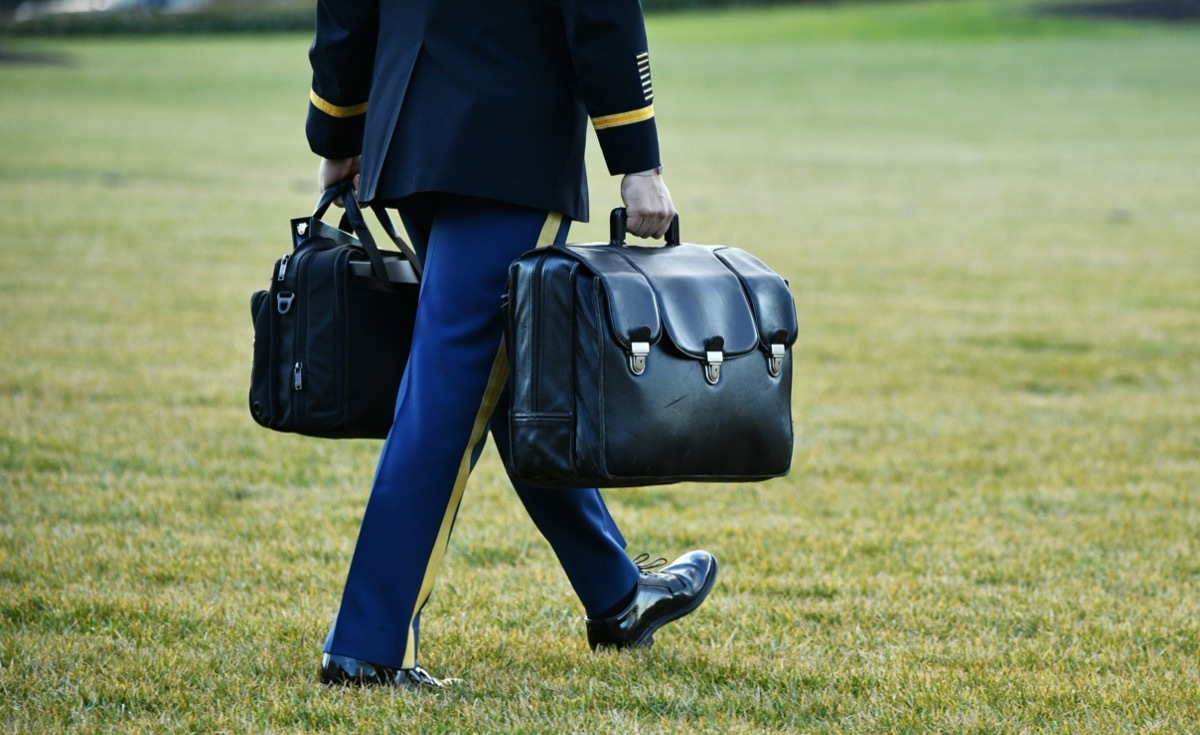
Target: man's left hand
333, 170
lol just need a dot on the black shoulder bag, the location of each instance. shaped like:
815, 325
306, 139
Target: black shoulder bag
333, 332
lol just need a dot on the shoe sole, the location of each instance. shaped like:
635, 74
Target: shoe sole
646, 639
353, 682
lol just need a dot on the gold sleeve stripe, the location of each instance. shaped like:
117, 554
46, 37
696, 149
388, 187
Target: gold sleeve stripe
333, 110
623, 118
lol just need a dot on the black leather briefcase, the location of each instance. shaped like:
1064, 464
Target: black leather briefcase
641, 366
333, 331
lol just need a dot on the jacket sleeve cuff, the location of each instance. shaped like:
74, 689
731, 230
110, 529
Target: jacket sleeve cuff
629, 141
335, 131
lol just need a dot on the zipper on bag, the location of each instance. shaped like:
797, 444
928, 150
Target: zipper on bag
300, 346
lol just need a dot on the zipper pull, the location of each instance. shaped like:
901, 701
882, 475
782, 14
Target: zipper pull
298, 376
283, 264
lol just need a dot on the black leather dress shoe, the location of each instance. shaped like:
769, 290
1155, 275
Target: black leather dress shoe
348, 671
662, 596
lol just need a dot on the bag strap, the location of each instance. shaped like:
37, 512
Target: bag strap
354, 219
381, 214
328, 196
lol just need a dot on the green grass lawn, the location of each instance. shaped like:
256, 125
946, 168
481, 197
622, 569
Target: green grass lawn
991, 225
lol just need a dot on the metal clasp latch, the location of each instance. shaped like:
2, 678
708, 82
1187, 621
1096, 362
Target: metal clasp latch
283, 301
712, 366
775, 360
637, 357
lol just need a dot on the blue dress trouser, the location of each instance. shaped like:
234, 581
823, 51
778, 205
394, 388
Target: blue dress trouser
452, 387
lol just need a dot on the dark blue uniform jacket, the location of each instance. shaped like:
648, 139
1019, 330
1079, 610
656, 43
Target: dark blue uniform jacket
487, 98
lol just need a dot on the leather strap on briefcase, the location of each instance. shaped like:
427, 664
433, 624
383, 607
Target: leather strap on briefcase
638, 366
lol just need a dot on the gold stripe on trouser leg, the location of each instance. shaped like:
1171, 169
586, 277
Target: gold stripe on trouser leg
495, 385
550, 229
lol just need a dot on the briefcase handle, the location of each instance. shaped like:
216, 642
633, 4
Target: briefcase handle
353, 220
616, 228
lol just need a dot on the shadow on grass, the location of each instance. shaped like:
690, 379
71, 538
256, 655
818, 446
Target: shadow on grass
1160, 11
8, 57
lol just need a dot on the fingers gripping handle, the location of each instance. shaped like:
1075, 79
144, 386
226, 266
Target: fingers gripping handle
618, 220
329, 196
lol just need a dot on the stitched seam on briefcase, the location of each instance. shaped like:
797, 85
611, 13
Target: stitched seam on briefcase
535, 368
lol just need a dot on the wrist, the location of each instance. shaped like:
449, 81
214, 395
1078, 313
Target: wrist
656, 171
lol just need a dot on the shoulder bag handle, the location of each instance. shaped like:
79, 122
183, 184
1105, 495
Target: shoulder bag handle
355, 221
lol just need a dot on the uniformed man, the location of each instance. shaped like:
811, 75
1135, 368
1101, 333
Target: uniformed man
469, 117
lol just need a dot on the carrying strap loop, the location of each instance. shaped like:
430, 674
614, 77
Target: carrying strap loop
354, 219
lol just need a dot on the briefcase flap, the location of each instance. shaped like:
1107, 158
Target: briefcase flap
707, 297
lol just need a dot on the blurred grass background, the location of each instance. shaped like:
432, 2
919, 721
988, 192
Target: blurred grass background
989, 220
